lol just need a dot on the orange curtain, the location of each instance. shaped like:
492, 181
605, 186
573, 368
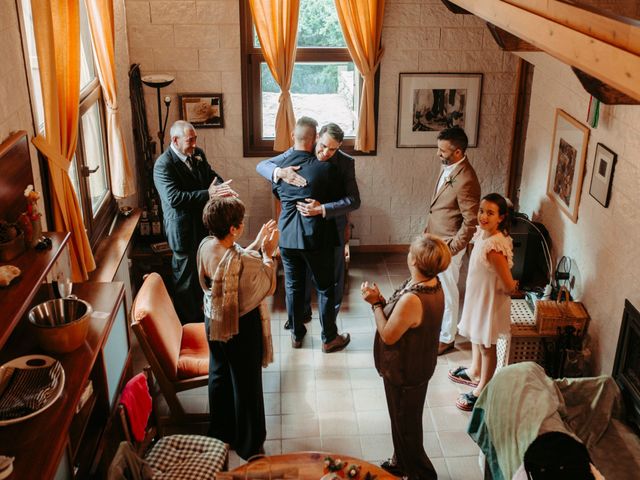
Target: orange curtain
100, 13
276, 23
57, 32
361, 23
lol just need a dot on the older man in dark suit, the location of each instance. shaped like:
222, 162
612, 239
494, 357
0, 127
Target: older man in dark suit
308, 242
346, 196
453, 216
185, 181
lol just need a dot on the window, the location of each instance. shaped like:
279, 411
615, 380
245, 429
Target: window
325, 83
89, 170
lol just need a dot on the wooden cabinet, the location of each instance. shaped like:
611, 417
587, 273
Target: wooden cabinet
61, 442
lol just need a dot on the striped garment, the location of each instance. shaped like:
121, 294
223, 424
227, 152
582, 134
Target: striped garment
26, 390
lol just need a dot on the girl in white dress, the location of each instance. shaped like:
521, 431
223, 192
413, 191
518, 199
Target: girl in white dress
487, 302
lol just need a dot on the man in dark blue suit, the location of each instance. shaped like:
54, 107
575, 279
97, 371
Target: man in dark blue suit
346, 196
185, 181
308, 242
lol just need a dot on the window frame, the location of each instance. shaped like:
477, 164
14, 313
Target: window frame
95, 224
253, 143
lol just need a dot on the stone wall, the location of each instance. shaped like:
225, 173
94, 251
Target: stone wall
604, 242
199, 43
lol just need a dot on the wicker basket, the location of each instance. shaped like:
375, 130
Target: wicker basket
552, 316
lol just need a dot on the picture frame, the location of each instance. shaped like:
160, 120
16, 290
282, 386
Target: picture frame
202, 110
430, 102
604, 163
566, 168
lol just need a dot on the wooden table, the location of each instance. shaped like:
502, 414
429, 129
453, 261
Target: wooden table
310, 465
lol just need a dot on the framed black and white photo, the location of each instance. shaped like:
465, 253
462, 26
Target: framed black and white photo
566, 169
202, 110
431, 102
602, 174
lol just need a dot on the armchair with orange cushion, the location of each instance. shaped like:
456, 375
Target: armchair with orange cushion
178, 354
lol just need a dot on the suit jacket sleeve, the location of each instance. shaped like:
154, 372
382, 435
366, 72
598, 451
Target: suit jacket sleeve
468, 194
266, 167
165, 179
351, 199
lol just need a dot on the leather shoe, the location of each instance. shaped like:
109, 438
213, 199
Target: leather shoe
295, 343
287, 325
306, 319
445, 347
392, 467
337, 343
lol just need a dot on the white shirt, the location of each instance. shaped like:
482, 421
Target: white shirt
180, 155
447, 172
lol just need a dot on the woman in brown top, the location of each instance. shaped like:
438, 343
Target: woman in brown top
406, 351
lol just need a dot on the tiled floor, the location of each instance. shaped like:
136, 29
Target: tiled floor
335, 402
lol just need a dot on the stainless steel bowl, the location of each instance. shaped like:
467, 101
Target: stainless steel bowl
60, 325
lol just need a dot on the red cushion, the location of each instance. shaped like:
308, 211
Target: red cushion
137, 402
194, 351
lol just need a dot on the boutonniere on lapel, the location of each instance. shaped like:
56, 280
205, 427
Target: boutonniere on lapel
448, 180
197, 158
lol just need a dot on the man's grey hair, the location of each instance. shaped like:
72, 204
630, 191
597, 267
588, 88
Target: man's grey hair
334, 131
179, 128
305, 130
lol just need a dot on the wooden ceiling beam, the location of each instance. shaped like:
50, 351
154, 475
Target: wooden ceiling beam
509, 42
611, 64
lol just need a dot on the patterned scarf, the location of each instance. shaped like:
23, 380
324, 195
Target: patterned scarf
225, 317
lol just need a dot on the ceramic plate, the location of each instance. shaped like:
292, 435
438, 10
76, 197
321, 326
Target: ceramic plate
35, 361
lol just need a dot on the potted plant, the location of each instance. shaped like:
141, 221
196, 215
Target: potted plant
11, 241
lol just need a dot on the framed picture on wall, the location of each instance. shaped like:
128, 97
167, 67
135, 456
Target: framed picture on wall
203, 110
566, 168
602, 174
430, 102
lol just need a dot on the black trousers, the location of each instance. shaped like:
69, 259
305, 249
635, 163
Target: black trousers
406, 405
235, 388
188, 292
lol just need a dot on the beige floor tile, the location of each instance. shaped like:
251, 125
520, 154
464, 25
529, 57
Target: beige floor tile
342, 445
332, 379
373, 423
359, 359
234, 460
299, 426
274, 427
362, 342
365, 378
297, 380
432, 445
338, 423
271, 403
442, 395
323, 360
370, 399
440, 464
464, 468
358, 324
427, 421
273, 447
298, 402
335, 401
301, 359
376, 447
449, 419
200, 391
457, 444
270, 382
301, 444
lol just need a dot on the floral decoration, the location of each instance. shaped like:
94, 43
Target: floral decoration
32, 203
448, 180
334, 465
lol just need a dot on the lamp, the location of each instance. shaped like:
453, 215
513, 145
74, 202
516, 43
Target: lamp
159, 81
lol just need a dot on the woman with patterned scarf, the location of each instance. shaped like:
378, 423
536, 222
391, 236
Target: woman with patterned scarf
235, 282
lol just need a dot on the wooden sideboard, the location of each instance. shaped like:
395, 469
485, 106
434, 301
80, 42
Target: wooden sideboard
61, 442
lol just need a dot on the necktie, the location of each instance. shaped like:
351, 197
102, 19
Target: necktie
190, 163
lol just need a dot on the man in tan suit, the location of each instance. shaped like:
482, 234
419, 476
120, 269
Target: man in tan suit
453, 216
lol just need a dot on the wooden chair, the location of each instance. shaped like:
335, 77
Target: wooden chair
178, 354
183, 457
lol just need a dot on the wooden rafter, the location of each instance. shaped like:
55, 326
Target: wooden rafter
617, 65
508, 41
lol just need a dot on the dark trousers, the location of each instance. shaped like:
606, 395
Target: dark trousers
188, 292
295, 263
406, 405
339, 278
235, 388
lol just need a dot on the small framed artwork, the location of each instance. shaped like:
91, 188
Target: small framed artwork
566, 168
602, 174
202, 110
431, 102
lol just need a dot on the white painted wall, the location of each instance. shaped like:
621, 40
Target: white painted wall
604, 242
199, 42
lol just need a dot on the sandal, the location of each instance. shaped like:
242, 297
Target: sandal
466, 401
460, 375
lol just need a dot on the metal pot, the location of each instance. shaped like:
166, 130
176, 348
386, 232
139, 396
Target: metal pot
60, 325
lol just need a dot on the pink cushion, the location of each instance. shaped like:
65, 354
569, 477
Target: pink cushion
194, 351
154, 310
137, 402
